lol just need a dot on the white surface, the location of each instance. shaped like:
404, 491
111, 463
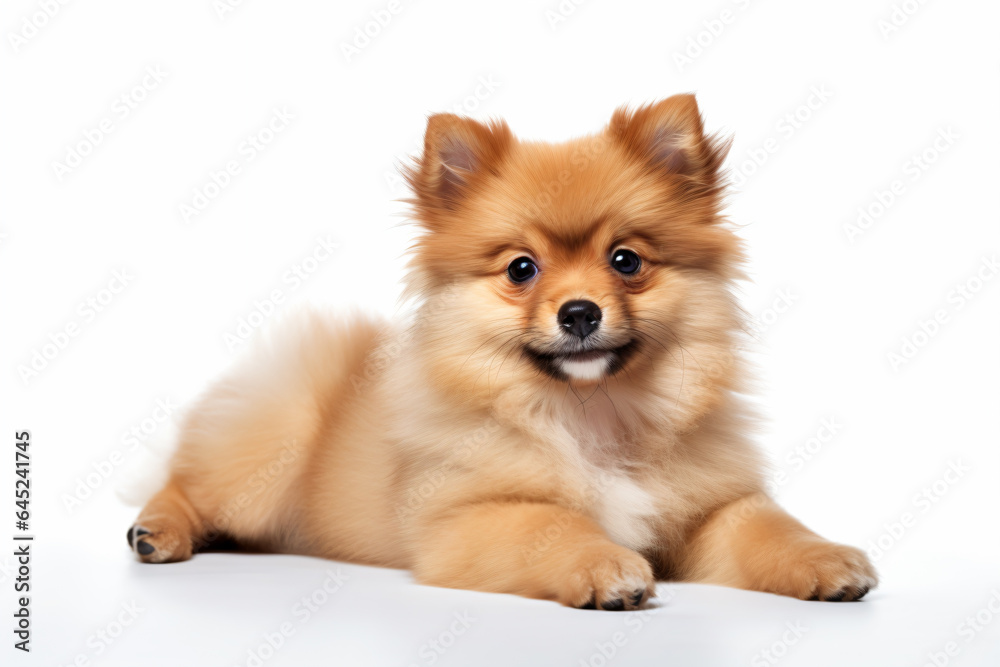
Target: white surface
855, 440
216, 608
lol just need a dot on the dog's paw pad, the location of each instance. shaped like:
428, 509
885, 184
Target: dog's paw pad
613, 605
846, 594
161, 543
134, 532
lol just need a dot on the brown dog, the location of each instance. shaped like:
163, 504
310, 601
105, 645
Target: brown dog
559, 420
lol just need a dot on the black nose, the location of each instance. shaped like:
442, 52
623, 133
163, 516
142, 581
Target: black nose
579, 318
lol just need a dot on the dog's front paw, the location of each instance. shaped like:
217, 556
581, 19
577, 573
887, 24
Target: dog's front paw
831, 572
608, 577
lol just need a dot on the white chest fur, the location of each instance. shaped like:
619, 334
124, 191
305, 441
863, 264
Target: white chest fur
623, 508
615, 498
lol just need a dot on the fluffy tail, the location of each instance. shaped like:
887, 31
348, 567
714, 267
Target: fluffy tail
244, 443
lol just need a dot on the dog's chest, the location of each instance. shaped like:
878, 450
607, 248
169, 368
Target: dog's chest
616, 496
624, 509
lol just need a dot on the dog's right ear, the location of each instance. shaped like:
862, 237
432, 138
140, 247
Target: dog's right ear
458, 153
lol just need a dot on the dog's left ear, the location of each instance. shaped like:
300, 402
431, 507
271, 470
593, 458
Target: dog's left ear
670, 137
458, 152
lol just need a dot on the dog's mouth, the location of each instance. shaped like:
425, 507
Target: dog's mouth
587, 365
584, 357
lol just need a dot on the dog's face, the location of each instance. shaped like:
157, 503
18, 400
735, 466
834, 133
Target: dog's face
575, 262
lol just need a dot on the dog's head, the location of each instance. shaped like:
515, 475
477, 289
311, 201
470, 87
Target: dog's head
603, 257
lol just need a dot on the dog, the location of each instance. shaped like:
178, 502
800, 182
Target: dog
561, 416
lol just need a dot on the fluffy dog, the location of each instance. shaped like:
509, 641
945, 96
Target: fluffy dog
560, 419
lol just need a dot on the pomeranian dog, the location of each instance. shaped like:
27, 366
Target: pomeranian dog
560, 418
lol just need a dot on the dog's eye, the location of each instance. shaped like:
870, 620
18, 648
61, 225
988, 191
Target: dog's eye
625, 261
522, 270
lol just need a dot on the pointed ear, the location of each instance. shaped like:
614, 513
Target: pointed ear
670, 137
457, 152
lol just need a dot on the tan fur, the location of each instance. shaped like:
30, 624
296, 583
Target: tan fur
441, 445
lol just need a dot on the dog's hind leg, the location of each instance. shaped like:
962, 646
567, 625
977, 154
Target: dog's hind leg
167, 529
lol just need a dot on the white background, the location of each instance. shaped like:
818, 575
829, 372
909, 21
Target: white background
886, 92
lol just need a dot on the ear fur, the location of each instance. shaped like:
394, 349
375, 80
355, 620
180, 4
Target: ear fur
457, 153
670, 137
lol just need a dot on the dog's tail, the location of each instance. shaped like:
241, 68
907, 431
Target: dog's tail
270, 407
